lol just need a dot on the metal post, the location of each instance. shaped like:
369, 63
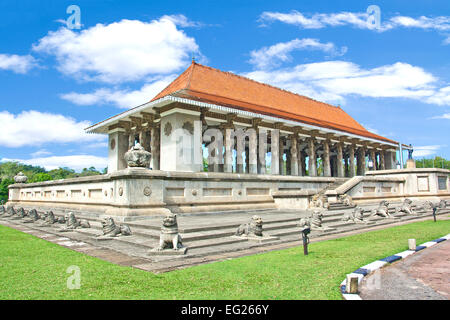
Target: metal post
305, 233
434, 213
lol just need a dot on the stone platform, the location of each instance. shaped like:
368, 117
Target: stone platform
210, 235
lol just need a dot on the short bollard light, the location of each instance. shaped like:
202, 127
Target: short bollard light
412, 244
305, 232
351, 285
434, 213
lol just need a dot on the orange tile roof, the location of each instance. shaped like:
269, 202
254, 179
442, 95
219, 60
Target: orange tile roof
211, 85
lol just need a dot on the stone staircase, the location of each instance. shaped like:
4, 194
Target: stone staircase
210, 234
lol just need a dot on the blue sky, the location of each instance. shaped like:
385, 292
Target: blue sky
392, 77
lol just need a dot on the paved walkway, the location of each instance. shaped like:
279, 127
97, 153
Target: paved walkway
422, 276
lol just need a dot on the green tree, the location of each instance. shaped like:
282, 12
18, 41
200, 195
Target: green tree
436, 162
39, 177
4, 188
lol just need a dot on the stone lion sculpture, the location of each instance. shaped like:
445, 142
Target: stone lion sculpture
253, 228
169, 237
319, 201
32, 217
10, 211
442, 204
382, 210
355, 216
346, 200
2, 210
110, 229
20, 214
50, 218
314, 221
406, 207
72, 223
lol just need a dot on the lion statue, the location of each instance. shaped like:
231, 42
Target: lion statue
253, 228
442, 204
72, 223
110, 229
314, 221
10, 212
406, 207
50, 218
319, 201
20, 214
169, 237
355, 216
382, 210
32, 217
346, 200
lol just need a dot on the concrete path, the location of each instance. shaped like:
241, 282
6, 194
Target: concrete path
422, 276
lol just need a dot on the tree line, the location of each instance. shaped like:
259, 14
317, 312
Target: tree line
37, 174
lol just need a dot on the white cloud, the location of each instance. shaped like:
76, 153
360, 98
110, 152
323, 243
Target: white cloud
318, 20
16, 63
39, 153
127, 50
77, 162
444, 116
356, 19
31, 128
120, 98
440, 97
280, 52
423, 151
333, 80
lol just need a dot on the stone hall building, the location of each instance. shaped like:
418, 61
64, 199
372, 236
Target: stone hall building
219, 142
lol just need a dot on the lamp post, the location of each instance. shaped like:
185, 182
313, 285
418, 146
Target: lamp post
305, 238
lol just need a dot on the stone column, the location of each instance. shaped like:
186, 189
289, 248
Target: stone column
280, 155
326, 159
347, 171
155, 145
340, 168
352, 161
294, 156
373, 159
312, 163
301, 161
131, 139
262, 150
361, 168
229, 141
253, 153
382, 161
275, 149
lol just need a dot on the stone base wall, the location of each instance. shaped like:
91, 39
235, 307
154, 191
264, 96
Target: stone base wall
144, 192
419, 184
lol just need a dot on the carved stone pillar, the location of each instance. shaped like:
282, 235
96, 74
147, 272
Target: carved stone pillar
131, 139
300, 160
326, 159
352, 161
382, 161
252, 153
280, 155
262, 150
312, 163
340, 168
361, 168
373, 159
347, 170
229, 141
155, 147
294, 156
275, 150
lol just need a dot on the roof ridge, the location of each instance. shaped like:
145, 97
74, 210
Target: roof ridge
265, 84
287, 112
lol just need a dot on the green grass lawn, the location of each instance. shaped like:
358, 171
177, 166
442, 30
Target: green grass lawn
32, 268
